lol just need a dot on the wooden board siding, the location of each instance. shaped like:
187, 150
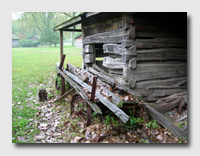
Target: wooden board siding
143, 50
104, 26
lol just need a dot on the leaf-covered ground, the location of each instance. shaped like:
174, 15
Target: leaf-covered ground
52, 123
49, 122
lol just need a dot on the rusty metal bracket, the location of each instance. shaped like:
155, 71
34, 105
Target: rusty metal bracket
94, 84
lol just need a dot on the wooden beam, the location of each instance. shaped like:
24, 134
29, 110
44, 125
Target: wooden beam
107, 78
162, 54
68, 24
71, 91
118, 112
150, 71
61, 45
114, 98
165, 122
76, 30
161, 43
115, 36
80, 91
62, 79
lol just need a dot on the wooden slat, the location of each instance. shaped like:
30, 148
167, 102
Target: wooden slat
161, 43
114, 98
70, 92
118, 112
81, 93
110, 80
165, 82
148, 71
165, 123
115, 36
163, 107
162, 54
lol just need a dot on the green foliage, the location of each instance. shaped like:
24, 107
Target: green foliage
29, 43
67, 85
110, 120
181, 124
140, 98
120, 105
30, 68
134, 120
152, 124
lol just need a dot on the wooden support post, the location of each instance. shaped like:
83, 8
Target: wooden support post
61, 45
62, 78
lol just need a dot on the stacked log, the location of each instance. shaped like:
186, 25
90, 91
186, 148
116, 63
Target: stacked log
145, 55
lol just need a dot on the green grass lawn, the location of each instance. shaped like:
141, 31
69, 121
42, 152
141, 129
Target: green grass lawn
32, 69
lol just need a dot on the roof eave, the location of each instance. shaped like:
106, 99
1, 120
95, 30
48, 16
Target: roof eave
74, 21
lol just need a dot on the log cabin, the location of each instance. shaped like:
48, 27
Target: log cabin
145, 51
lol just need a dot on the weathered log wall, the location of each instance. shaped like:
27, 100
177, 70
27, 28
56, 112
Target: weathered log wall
145, 51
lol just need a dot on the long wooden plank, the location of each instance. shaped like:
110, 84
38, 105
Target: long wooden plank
79, 90
158, 92
162, 54
115, 36
71, 91
165, 123
118, 112
114, 98
163, 107
150, 71
165, 82
111, 81
161, 43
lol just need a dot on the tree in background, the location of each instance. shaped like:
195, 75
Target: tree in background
43, 22
70, 15
22, 32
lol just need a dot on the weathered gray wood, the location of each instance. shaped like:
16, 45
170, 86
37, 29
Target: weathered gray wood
165, 82
180, 83
100, 85
163, 107
132, 63
127, 43
150, 71
165, 123
113, 63
115, 36
116, 71
113, 48
79, 90
89, 58
165, 87
119, 49
132, 50
70, 92
89, 49
101, 70
171, 97
160, 34
158, 92
162, 54
161, 43
118, 112
182, 118
177, 85
111, 81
